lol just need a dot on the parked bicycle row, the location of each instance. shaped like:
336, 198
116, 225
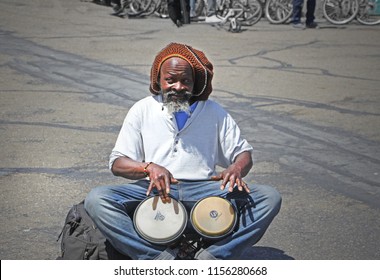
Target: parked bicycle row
239, 13
337, 12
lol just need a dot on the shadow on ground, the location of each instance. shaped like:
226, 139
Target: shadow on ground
266, 253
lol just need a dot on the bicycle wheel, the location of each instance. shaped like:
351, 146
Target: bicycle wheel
141, 7
162, 9
252, 11
340, 11
278, 11
369, 12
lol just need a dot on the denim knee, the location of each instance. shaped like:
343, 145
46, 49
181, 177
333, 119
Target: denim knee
271, 197
92, 200
275, 200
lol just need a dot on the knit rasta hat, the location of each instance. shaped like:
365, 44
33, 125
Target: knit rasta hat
202, 68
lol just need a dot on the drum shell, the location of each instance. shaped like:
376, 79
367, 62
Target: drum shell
213, 217
160, 223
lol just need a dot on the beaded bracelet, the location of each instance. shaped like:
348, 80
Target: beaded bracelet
146, 173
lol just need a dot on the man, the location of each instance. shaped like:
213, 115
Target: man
179, 11
171, 143
297, 14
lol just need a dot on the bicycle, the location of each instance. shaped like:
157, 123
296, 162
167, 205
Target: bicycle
278, 11
235, 12
340, 11
335, 11
369, 12
246, 12
134, 8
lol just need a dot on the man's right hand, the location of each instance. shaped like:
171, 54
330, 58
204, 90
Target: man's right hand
160, 178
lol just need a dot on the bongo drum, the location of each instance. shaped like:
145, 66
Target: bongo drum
158, 222
213, 217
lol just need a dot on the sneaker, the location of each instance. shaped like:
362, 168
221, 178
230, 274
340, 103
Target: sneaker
213, 19
298, 25
312, 25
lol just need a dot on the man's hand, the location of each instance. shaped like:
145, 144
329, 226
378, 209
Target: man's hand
234, 174
231, 176
160, 178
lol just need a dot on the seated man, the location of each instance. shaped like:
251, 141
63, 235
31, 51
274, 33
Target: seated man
170, 144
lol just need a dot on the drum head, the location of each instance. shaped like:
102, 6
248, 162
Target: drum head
158, 222
213, 217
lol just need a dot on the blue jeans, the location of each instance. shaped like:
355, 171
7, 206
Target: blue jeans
111, 208
192, 7
297, 11
211, 8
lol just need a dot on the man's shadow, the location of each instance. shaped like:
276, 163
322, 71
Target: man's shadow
255, 253
265, 253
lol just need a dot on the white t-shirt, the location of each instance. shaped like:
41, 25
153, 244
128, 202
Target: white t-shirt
209, 138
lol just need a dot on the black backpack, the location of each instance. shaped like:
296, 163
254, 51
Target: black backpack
82, 240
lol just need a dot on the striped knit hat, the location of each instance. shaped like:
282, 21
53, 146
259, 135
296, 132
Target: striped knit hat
202, 69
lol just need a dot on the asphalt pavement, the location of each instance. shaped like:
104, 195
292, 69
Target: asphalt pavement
307, 100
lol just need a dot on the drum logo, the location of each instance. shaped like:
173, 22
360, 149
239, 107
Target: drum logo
214, 214
159, 216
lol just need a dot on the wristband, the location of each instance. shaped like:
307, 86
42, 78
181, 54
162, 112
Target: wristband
146, 173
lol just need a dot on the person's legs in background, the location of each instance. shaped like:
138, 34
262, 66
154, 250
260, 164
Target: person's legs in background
176, 14
297, 13
211, 8
192, 7
310, 5
174, 10
211, 12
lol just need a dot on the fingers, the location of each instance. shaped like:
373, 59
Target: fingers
150, 188
239, 184
173, 180
232, 181
216, 178
242, 186
224, 184
162, 185
223, 177
167, 185
161, 191
232, 184
227, 179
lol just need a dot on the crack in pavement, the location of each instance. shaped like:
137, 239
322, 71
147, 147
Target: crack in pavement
284, 66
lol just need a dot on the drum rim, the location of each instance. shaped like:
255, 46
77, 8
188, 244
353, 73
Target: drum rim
156, 241
212, 236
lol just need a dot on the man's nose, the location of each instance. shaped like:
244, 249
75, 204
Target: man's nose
178, 86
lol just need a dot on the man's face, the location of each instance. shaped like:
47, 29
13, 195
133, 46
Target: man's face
177, 83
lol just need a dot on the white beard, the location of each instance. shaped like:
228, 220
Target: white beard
174, 106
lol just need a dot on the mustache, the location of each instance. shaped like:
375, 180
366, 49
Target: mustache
185, 93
